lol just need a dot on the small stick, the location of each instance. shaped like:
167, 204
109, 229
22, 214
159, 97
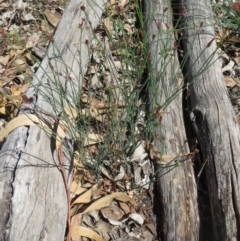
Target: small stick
202, 167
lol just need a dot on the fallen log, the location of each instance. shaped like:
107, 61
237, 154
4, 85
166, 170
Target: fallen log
212, 117
33, 200
176, 187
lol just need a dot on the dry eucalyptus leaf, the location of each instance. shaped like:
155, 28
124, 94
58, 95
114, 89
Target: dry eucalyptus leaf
46, 28
3, 111
94, 215
62, 129
123, 3
78, 164
87, 196
18, 90
105, 201
103, 228
20, 65
124, 207
118, 65
87, 220
110, 3
4, 59
237, 60
112, 214
22, 120
120, 175
33, 40
128, 28
92, 139
4, 5
76, 189
229, 81
95, 83
108, 25
85, 232
29, 58
53, 18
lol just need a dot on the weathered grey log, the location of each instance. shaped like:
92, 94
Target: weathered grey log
215, 123
33, 204
176, 186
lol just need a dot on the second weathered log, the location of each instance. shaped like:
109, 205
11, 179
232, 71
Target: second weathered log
213, 118
177, 195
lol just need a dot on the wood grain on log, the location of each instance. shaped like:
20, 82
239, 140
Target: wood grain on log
175, 184
32, 193
215, 118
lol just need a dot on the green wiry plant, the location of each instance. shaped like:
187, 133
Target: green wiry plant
227, 15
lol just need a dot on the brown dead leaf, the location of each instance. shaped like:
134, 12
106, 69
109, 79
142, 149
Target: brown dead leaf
108, 25
46, 28
237, 60
85, 232
3, 110
151, 228
11, 71
74, 211
92, 139
52, 17
88, 177
100, 192
105, 201
110, 3
20, 64
13, 53
112, 212
229, 81
87, 196
22, 120
33, 40
128, 28
108, 185
19, 90
120, 175
124, 207
103, 228
4, 59
93, 102
78, 164
222, 35
70, 112
123, 3
29, 57
62, 129
76, 189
